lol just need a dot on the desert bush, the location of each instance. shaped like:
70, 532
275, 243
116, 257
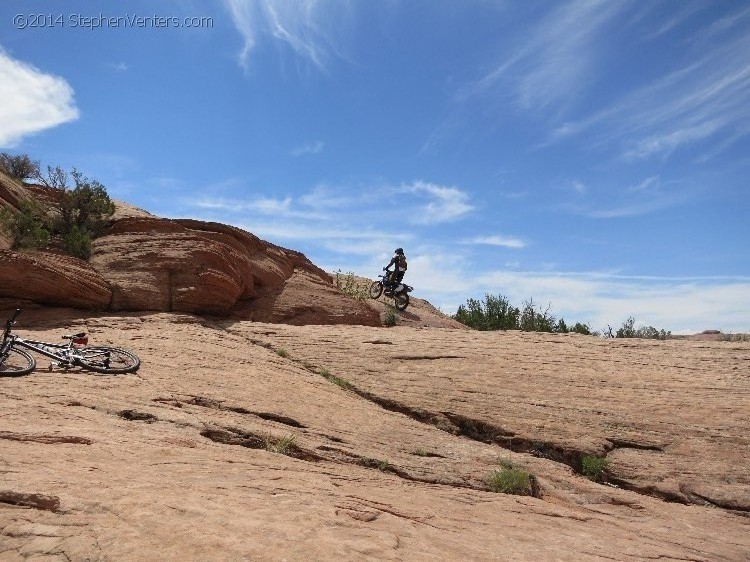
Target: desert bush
77, 243
390, 316
733, 337
628, 330
26, 228
20, 166
382, 465
593, 467
86, 206
510, 479
348, 285
281, 352
495, 313
535, 319
56, 178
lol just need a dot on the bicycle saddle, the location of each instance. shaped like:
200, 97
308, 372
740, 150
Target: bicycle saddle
75, 336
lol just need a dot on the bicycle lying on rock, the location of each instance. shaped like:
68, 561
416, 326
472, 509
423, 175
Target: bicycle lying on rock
15, 361
399, 291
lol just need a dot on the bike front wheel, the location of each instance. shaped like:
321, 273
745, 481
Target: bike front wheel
108, 360
376, 289
17, 363
401, 300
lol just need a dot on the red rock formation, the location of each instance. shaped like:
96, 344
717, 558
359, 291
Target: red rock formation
148, 263
52, 279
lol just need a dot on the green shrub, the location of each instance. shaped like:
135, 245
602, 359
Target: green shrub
535, 319
628, 330
381, 465
594, 468
86, 206
495, 313
349, 286
390, 318
77, 243
26, 228
281, 352
511, 479
580, 328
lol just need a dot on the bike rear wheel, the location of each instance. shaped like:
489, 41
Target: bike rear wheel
108, 360
376, 289
401, 300
17, 363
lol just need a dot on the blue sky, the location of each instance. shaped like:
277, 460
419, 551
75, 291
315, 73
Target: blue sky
589, 154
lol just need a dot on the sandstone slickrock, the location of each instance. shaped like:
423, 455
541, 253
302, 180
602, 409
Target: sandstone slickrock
145, 262
52, 279
223, 448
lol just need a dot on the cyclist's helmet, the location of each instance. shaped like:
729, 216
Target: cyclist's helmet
399, 250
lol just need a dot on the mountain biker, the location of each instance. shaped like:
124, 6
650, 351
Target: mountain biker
399, 261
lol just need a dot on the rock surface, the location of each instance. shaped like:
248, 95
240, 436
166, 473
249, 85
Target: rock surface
52, 279
145, 262
242, 440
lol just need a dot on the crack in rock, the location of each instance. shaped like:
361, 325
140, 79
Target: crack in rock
133, 415
218, 405
47, 439
243, 438
36, 501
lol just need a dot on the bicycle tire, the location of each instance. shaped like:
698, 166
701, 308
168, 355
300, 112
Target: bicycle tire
17, 363
376, 289
117, 362
401, 300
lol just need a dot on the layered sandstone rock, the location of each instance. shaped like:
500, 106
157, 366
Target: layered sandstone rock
307, 298
191, 266
147, 263
52, 279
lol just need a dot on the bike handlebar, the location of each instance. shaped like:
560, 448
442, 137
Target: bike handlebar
9, 324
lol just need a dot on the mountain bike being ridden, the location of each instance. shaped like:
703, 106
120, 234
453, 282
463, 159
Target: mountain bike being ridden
16, 361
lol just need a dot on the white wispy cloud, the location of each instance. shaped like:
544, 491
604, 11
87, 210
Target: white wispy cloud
556, 56
279, 208
119, 66
447, 203
32, 100
309, 148
701, 100
648, 184
498, 240
307, 27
